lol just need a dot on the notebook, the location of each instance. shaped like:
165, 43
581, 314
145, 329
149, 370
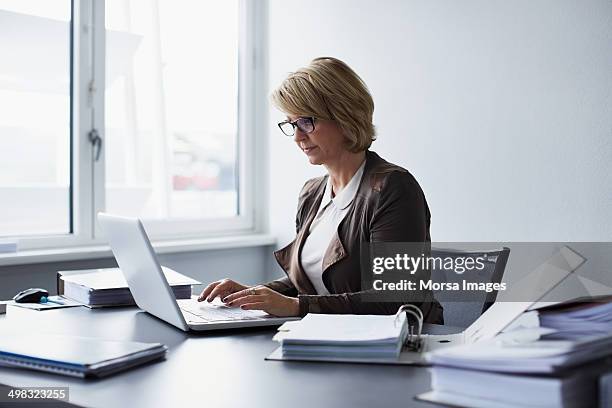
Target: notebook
75, 356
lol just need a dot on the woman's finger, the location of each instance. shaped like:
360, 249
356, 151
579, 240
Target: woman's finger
220, 290
253, 290
239, 294
254, 306
207, 290
246, 299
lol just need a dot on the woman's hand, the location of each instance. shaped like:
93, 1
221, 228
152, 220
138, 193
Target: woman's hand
266, 299
220, 289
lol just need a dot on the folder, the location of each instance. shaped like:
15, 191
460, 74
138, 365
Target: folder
75, 356
373, 339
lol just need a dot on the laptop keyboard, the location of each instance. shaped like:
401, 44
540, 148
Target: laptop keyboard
204, 311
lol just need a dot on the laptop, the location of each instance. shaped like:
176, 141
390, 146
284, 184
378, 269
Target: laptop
152, 293
492, 322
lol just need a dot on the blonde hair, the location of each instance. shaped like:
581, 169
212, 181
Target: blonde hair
329, 89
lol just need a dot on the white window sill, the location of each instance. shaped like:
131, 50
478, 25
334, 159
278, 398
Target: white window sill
161, 247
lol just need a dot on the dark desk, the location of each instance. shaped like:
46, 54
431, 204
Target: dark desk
217, 369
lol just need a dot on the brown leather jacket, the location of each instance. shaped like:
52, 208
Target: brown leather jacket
389, 206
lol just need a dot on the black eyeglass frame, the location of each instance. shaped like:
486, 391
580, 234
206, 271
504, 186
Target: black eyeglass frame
294, 124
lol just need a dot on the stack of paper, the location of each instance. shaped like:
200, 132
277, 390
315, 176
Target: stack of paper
342, 336
578, 320
108, 287
542, 356
479, 389
542, 373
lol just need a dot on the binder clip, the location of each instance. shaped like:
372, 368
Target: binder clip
413, 340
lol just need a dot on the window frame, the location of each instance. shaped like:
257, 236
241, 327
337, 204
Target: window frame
87, 111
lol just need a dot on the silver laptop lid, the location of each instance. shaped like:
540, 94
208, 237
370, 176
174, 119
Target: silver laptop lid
138, 262
533, 286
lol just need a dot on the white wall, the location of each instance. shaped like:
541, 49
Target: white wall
501, 109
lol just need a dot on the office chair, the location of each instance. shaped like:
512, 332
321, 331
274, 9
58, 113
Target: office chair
457, 311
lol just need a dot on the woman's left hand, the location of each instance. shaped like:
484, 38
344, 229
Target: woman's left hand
266, 299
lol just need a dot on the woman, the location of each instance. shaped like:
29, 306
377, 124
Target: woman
362, 199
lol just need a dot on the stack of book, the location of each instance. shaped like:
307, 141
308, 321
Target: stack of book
329, 337
108, 287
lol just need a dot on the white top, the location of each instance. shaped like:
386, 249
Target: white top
324, 226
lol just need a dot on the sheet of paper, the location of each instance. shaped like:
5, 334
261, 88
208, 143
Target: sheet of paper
287, 326
346, 328
112, 278
48, 306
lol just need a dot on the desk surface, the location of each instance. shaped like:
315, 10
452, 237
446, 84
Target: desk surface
215, 369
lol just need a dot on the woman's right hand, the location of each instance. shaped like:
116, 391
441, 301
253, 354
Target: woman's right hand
221, 289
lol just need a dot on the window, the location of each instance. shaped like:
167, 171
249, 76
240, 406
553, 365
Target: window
150, 120
171, 109
35, 117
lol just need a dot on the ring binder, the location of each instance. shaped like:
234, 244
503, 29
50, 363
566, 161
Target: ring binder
413, 340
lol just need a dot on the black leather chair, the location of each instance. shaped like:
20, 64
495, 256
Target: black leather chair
459, 309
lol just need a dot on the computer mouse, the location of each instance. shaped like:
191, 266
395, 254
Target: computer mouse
31, 295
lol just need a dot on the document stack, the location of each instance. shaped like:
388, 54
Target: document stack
561, 369
329, 337
108, 287
481, 389
578, 319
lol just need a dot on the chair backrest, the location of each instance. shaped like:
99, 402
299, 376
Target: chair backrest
459, 312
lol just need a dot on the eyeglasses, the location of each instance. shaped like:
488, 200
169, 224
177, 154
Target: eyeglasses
306, 125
